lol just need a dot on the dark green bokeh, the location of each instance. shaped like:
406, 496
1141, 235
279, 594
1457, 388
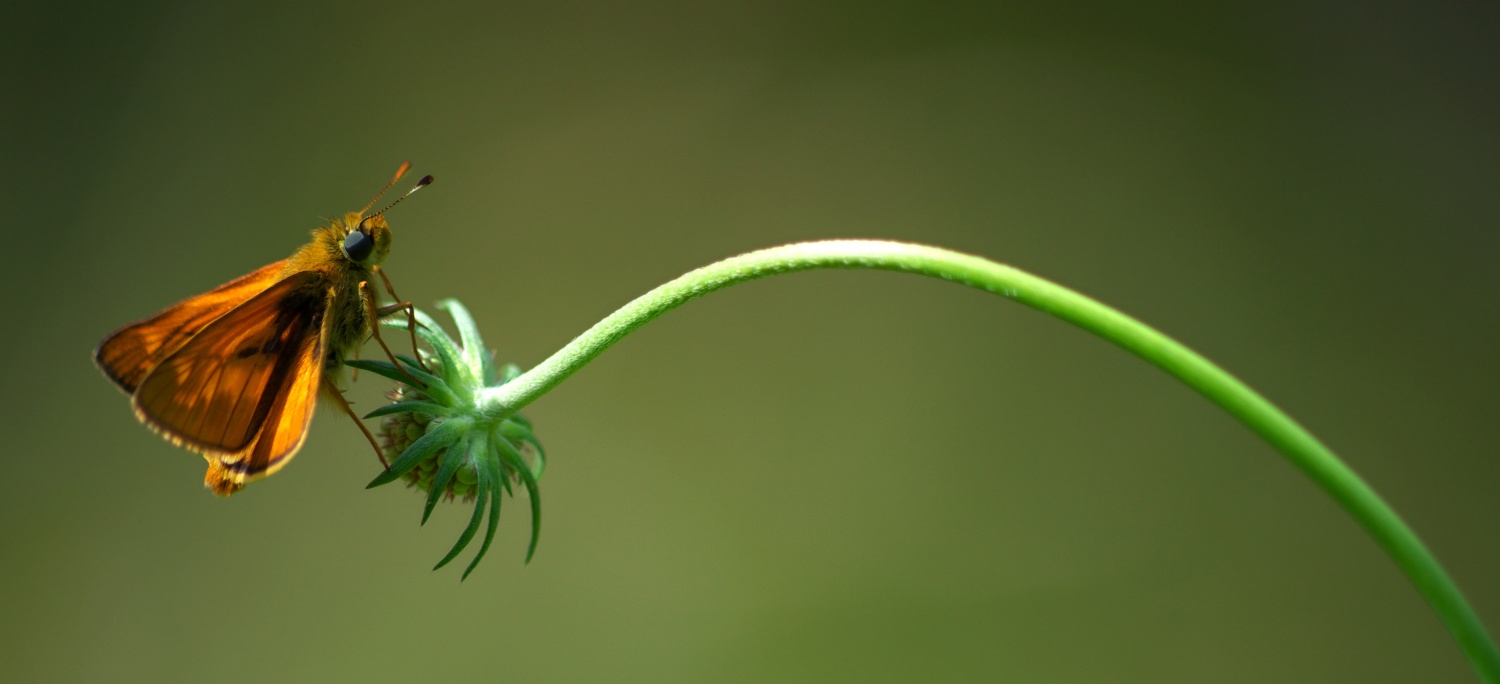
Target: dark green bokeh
821, 477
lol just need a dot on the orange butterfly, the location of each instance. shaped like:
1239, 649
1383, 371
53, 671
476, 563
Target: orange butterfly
234, 373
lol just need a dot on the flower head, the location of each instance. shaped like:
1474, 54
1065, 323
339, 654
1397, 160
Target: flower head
441, 444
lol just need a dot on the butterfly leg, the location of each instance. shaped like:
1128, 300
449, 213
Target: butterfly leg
398, 307
375, 330
338, 398
411, 316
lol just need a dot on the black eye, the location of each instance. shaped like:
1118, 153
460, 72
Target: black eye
358, 245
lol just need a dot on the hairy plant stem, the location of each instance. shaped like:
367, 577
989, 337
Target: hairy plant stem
1296, 443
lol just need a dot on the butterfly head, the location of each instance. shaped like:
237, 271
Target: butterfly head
365, 241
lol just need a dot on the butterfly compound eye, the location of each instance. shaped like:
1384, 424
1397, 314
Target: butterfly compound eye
358, 245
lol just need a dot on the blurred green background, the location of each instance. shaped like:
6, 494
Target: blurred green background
830, 476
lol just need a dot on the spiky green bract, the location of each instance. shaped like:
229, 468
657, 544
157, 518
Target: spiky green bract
437, 440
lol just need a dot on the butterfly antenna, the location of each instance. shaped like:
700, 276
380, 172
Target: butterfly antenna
426, 181
399, 173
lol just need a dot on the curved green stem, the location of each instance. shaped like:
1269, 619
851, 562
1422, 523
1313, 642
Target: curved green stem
1304, 450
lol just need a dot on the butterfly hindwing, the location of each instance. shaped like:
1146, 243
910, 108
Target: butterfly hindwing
281, 434
128, 354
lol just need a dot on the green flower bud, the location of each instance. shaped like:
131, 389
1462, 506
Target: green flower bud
439, 442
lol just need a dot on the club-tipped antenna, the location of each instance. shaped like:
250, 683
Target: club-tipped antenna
426, 181
399, 173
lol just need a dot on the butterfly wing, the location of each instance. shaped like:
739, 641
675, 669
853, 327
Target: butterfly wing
128, 354
282, 433
242, 390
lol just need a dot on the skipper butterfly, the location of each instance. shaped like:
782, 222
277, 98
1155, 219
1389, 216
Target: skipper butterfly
234, 373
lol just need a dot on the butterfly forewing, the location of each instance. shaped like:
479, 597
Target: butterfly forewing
128, 354
218, 391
